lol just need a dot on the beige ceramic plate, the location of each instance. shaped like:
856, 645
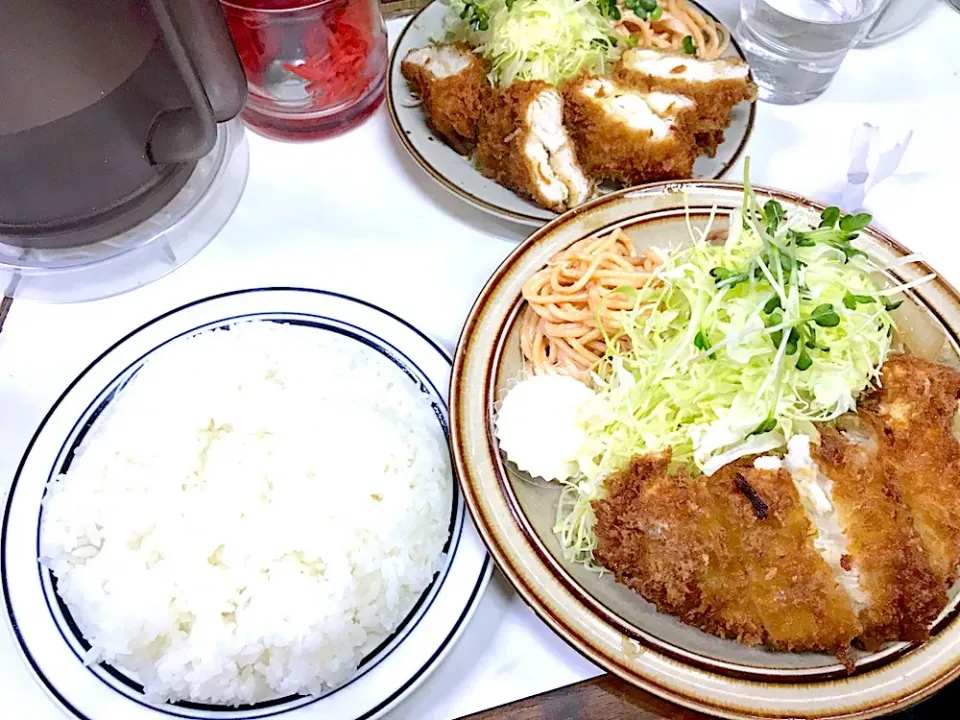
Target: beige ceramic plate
608, 623
456, 173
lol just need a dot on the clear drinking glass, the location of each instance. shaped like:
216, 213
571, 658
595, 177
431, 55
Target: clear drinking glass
795, 47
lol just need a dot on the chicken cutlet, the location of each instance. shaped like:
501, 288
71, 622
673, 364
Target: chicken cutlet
661, 536
628, 136
451, 83
729, 554
524, 146
902, 594
855, 538
915, 407
715, 85
798, 596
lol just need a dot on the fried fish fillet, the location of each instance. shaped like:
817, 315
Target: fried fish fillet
451, 83
524, 146
903, 594
629, 136
915, 407
729, 554
715, 85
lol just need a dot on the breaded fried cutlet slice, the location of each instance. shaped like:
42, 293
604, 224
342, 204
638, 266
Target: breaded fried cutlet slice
628, 136
661, 537
715, 85
903, 595
730, 554
796, 593
524, 146
452, 85
916, 406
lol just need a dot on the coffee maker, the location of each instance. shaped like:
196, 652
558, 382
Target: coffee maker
115, 141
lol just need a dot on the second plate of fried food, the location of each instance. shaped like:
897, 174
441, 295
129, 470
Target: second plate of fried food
527, 108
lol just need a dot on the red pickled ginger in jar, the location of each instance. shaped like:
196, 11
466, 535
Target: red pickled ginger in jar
313, 69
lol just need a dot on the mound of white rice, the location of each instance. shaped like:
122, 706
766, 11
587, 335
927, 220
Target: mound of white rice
257, 510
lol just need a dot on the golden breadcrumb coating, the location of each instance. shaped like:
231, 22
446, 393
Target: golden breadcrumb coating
505, 138
715, 98
916, 406
802, 605
610, 149
904, 595
453, 104
662, 537
730, 554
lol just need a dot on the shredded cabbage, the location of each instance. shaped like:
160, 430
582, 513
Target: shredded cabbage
549, 40
734, 349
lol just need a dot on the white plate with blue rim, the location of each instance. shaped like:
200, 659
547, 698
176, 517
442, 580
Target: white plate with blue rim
49, 638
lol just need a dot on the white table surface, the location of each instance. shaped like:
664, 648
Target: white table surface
356, 215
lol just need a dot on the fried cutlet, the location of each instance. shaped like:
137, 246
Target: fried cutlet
903, 595
661, 536
452, 85
795, 591
524, 146
730, 554
715, 85
628, 136
853, 539
915, 408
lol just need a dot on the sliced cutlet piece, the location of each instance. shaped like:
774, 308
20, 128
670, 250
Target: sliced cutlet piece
715, 85
629, 136
452, 84
797, 595
731, 554
901, 594
815, 491
523, 146
660, 535
916, 405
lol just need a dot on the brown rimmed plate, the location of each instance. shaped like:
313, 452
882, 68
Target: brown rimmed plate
608, 623
458, 175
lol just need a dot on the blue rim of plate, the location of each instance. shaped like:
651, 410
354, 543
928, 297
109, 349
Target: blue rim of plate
273, 707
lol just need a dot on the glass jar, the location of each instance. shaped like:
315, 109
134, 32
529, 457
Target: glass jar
314, 69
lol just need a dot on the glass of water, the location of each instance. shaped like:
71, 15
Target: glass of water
795, 47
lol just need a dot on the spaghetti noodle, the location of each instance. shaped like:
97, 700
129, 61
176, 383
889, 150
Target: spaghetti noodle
680, 19
559, 330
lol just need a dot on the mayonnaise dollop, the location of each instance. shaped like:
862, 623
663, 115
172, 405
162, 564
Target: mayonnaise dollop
539, 425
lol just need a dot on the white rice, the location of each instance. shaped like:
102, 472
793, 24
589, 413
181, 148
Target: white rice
257, 510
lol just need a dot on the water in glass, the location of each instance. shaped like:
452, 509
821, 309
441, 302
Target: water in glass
795, 47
